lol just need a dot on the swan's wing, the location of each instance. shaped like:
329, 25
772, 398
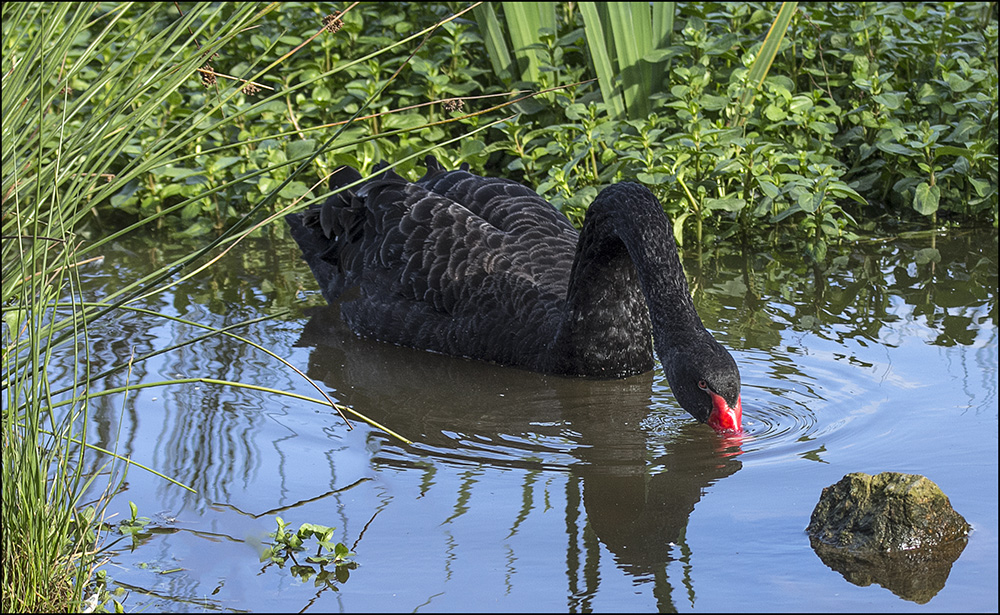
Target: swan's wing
505, 204
433, 274
322, 231
542, 233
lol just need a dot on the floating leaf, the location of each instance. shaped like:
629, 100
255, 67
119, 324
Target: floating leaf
927, 255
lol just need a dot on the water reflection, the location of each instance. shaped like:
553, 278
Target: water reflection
823, 352
637, 494
949, 283
916, 575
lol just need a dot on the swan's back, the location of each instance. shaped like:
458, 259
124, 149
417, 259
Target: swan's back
454, 263
485, 268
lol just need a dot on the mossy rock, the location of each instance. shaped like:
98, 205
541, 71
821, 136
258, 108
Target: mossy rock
897, 530
884, 513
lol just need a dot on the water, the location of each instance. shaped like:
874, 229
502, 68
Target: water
531, 492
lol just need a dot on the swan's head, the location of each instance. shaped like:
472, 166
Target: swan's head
705, 380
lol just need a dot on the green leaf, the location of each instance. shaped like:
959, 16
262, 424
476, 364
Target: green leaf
713, 103
223, 162
774, 113
890, 100
800, 104
293, 190
300, 148
981, 186
768, 188
927, 255
321, 94
809, 202
841, 189
928, 94
926, 198
729, 203
957, 83
678, 227
404, 121
895, 148
950, 150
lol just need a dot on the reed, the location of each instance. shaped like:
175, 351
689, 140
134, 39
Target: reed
80, 81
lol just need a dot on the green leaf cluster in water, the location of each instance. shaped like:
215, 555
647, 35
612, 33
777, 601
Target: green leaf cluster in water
328, 553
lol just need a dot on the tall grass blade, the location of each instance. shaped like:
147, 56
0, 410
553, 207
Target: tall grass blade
493, 38
522, 25
663, 23
768, 51
600, 55
631, 28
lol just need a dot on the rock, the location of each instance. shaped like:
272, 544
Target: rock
897, 530
886, 512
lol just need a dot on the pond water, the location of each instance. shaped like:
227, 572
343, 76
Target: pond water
525, 492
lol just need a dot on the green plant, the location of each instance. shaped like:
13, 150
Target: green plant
85, 88
134, 526
328, 553
619, 37
844, 107
51, 178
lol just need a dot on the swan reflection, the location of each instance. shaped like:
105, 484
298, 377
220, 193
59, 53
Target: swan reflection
632, 487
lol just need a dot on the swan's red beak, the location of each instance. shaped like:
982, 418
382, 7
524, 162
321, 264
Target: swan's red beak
724, 418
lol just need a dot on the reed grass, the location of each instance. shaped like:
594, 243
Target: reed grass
79, 82
626, 41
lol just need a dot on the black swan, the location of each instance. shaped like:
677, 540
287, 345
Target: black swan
485, 268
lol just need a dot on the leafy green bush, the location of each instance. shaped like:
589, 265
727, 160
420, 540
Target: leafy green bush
268, 101
869, 110
852, 123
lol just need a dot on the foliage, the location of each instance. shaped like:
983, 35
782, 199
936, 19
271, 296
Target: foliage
200, 119
271, 99
619, 35
852, 122
85, 90
287, 544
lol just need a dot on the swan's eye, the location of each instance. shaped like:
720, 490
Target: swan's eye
702, 385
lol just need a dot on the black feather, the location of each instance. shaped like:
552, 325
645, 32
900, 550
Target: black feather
485, 268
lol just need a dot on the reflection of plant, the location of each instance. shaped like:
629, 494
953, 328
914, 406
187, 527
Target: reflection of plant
287, 544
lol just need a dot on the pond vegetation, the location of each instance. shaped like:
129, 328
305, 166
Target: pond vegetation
199, 125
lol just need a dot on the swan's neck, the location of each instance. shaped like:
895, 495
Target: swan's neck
627, 283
